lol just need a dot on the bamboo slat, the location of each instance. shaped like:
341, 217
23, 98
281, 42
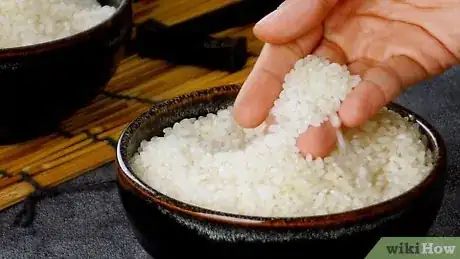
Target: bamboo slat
57, 158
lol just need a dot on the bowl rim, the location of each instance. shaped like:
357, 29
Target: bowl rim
62, 42
126, 178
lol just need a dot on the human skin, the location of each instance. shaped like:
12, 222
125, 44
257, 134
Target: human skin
391, 44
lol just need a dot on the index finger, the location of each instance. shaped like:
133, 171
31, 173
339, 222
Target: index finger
264, 84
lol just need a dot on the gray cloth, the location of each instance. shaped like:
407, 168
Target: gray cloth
92, 224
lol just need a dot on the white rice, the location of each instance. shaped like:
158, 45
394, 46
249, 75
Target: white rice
214, 163
28, 22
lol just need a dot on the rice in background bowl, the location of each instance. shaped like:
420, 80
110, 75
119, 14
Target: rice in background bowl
30, 22
45, 83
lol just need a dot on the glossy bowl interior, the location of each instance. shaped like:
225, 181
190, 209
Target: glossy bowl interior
45, 83
245, 234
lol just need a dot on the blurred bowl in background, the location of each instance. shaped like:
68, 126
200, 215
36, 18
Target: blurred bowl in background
43, 84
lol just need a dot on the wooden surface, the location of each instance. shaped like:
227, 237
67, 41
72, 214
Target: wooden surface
92, 131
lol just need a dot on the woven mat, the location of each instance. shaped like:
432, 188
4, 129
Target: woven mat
88, 139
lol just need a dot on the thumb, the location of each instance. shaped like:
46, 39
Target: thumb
292, 19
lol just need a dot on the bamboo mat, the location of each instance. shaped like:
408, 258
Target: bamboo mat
88, 138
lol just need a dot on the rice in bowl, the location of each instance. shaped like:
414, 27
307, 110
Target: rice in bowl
30, 22
213, 163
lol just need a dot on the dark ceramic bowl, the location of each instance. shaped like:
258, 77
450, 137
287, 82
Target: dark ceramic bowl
45, 83
168, 228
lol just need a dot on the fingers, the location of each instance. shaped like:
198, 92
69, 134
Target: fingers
331, 51
263, 85
361, 66
321, 141
293, 19
380, 84
318, 141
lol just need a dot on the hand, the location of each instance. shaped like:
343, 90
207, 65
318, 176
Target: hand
391, 44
